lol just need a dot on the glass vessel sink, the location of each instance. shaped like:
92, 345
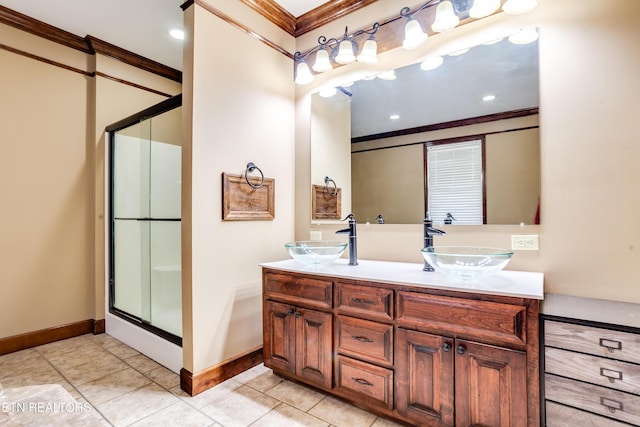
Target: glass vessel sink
467, 262
315, 252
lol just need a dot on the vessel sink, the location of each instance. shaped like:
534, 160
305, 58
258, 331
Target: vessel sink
315, 252
467, 262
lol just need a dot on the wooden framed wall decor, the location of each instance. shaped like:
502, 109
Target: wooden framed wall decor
243, 202
326, 203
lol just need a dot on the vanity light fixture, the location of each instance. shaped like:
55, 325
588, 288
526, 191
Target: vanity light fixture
343, 50
524, 36
413, 35
303, 74
516, 7
446, 18
340, 51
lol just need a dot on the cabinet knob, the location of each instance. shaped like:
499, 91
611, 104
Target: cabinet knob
460, 349
289, 312
446, 347
298, 314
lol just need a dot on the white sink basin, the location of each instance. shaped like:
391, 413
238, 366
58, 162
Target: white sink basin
315, 252
467, 262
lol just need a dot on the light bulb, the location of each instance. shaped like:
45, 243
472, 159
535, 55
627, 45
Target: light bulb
345, 53
482, 8
369, 53
516, 7
303, 74
322, 63
446, 18
413, 35
387, 75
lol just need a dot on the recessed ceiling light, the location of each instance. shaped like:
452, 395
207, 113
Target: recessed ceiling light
177, 33
394, 117
488, 97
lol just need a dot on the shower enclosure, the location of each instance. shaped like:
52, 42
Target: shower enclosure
145, 284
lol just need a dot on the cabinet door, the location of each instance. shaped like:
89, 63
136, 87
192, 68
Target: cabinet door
279, 336
491, 385
424, 373
314, 347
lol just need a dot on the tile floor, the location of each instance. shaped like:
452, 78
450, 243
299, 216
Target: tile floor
114, 385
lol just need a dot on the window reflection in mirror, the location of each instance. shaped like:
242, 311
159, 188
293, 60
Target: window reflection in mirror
389, 173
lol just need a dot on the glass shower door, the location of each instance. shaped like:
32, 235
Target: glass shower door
146, 242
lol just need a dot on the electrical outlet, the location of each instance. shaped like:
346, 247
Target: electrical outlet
315, 235
525, 242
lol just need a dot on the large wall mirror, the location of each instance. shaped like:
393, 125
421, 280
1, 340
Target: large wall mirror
460, 139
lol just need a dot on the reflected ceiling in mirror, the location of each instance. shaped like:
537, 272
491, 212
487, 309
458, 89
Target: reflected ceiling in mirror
453, 91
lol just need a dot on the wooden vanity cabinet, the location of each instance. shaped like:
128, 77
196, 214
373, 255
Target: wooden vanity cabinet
421, 356
298, 339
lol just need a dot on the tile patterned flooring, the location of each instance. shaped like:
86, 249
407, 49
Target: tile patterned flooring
114, 385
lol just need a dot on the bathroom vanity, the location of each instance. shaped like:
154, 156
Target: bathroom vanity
416, 346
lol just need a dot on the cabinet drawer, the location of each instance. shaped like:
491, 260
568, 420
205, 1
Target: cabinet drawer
597, 341
610, 403
364, 339
592, 369
492, 322
298, 290
364, 301
365, 380
565, 416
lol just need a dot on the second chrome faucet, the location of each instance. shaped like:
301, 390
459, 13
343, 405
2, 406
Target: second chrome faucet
429, 232
351, 231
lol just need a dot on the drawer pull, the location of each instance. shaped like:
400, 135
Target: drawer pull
362, 381
362, 301
611, 405
611, 375
610, 345
446, 347
361, 339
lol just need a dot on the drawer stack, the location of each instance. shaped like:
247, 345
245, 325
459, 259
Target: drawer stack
592, 375
364, 338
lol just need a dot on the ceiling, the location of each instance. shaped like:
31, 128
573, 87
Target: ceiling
140, 26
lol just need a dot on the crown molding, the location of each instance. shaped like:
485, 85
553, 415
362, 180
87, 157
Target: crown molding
42, 29
88, 44
327, 12
321, 15
274, 13
100, 46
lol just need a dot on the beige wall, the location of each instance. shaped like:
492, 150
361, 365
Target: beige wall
51, 179
238, 98
512, 176
590, 233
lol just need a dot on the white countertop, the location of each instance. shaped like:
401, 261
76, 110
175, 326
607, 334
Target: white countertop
505, 283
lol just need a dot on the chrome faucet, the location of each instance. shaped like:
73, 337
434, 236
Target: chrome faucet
429, 232
353, 257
